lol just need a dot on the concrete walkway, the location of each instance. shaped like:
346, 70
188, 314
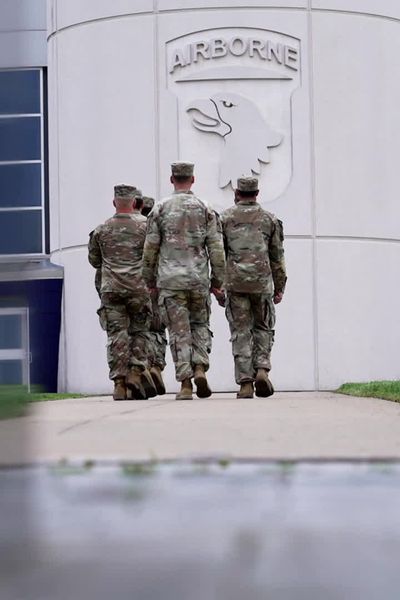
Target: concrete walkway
289, 425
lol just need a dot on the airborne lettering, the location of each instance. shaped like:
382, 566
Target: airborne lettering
273, 52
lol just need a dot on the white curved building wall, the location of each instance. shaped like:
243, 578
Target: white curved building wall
118, 114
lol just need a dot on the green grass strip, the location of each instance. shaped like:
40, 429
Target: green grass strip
387, 390
43, 397
14, 399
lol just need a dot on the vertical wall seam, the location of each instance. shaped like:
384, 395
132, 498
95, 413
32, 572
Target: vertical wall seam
64, 369
156, 99
313, 194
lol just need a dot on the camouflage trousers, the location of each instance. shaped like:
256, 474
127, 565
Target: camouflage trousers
186, 314
126, 319
157, 339
251, 320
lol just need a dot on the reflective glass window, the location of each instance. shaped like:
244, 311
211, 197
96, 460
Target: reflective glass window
20, 185
20, 138
21, 232
10, 332
11, 372
19, 92
21, 162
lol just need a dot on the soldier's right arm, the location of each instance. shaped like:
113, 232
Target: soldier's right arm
224, 238
94, 256
151, 249
97, 282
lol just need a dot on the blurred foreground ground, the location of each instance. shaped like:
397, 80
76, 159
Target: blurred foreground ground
210, 531
293, 497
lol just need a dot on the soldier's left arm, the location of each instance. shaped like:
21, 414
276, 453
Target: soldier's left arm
151, 250
277, 259
94, 249
215, 249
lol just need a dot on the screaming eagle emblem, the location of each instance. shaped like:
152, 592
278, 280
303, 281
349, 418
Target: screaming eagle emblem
247, 137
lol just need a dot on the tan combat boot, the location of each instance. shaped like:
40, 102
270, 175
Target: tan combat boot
155, 373
186, 390
246, 390
119, 389
134, 383
203, 389
264, 387
148, 384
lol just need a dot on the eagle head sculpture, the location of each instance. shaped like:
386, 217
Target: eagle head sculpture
247, 137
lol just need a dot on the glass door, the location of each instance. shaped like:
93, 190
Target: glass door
14, 346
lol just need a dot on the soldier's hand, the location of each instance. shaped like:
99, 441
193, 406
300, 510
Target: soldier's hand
219, 295
278, 297
156, 323
153, 293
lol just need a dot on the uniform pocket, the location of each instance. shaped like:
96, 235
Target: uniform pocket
269, 308
102, 317
233, 338
174, 351
208, 306
209, 341
228, 310
162, 310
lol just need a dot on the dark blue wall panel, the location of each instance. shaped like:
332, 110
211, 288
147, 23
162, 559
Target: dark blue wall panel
43, 297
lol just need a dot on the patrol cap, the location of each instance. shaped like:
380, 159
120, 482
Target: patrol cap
124, 191
148, 202
182, 169
137, 193
247, 184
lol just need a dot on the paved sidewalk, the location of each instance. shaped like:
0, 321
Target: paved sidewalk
289, 425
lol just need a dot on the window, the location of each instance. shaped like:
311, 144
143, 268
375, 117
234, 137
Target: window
14, 344
22, 169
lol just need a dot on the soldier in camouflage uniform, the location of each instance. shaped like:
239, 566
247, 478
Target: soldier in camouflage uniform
116, 249
182, 238
255, 281
147, 205
139, 202
157, 336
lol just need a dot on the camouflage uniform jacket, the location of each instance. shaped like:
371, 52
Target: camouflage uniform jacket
182, 236
116, 247
253, 241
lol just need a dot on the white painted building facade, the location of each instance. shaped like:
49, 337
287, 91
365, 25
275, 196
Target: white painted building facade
303, 92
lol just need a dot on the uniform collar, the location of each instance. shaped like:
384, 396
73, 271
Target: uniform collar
247, 201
